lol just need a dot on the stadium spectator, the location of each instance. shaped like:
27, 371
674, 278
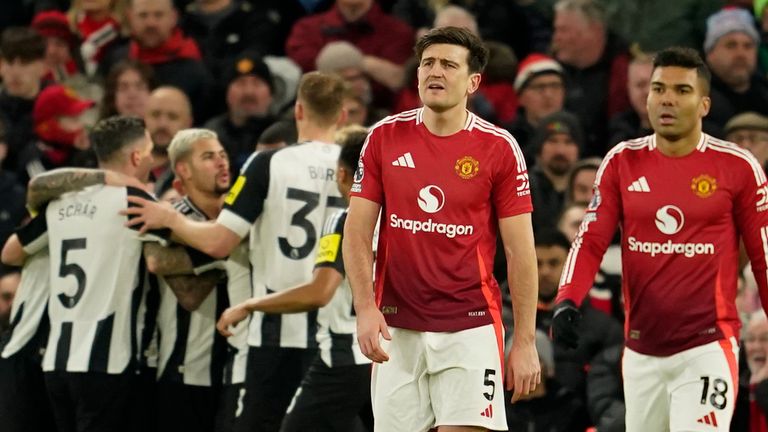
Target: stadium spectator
22, 66
570, 219
597, 331
551, 407
670, 188
541, 91
12, 210
168, 111
278, 135
754, 415
126, 90
750, 131
249, 90
60, 130
761, 13
581, 180
557, 144
731, 53
633, 123
605, 392
657, 24
99, 25
345, 59
441, 312
595, 65
385, 41
175, 58
225, 28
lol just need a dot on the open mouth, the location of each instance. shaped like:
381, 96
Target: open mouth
667, 119
435, 86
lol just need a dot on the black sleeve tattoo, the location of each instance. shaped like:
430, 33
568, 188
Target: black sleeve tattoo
52, 184
191, 290
167, 261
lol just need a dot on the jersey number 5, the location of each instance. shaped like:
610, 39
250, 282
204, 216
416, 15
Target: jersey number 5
311, 200
70, 269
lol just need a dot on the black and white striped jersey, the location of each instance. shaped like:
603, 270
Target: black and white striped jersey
29, 317
192, 351
282, 199
96, 282
239, 288
337, 327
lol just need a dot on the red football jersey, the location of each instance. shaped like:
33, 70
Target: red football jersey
681, 220
441, 199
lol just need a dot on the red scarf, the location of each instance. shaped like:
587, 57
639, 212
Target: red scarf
99, 34
177, 47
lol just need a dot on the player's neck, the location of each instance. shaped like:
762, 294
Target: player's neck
680, 147
310, 132
445, 123
119, 168
208, 203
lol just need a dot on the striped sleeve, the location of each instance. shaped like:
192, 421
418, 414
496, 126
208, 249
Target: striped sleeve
329, 250
750, 212
597, 229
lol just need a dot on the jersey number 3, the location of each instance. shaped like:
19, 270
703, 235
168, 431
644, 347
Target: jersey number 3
70, 269
311, 200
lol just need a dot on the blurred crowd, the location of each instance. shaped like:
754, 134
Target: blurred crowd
568, 78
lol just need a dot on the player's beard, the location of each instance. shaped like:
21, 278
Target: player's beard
547, 296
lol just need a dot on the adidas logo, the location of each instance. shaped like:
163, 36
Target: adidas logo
405, 161
709, 419
488, 412
639, 185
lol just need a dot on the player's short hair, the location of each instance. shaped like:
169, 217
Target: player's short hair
549, 237
687, 58
181, 145
477, 58
22, 43
351, 140
113, 134
322, 95
279, 132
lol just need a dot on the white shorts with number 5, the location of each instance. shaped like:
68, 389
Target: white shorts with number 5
693, 390
436, 379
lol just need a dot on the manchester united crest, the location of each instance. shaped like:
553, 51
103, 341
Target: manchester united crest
704, 186
467, 167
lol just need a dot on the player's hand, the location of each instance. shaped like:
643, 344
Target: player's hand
148, 214
565, 324
523, 369
230, 318
371, 324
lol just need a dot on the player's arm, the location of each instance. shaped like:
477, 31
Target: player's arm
358, 250
303, 298
211, 238
167, 261
192, 290
242, 207
326, 278
13, 252
523, 369
751, 216
52, 184
26, 241
594, 237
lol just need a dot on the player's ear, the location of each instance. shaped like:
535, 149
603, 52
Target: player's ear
704, 106
298, 110
182, 170
474, 82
